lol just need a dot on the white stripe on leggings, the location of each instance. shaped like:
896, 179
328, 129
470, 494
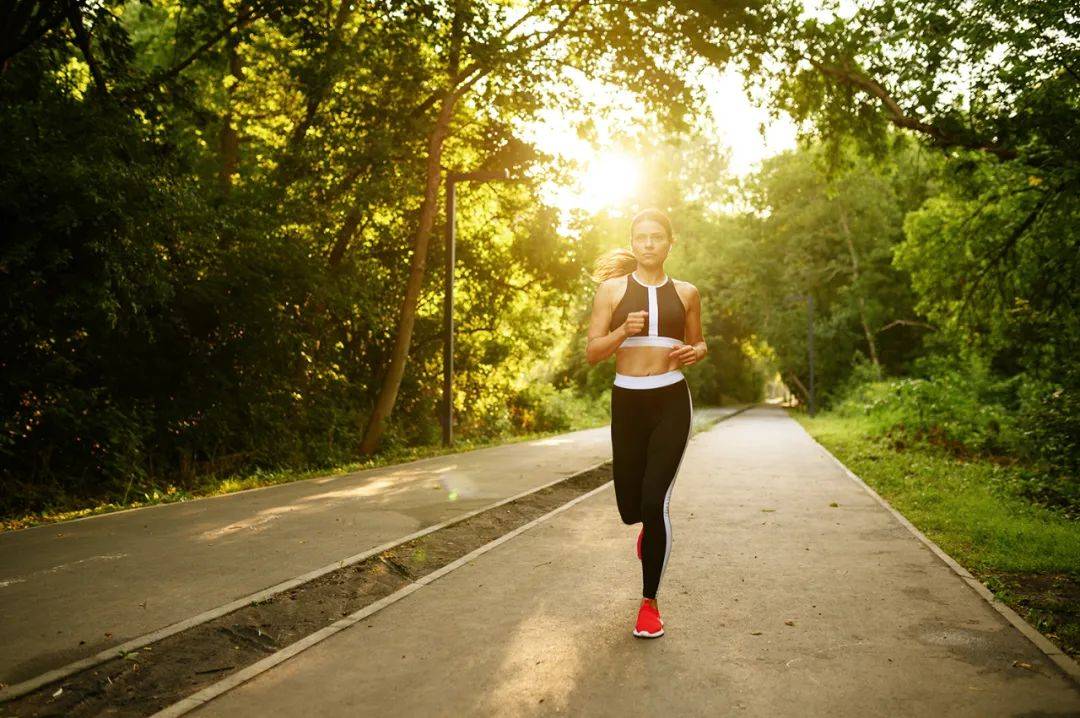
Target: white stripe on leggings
667, 496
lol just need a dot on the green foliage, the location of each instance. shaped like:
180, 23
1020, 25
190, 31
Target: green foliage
994, 261
963, 406
209, 220
1049, 422
960, 405
829, 237
997, 77
541, 407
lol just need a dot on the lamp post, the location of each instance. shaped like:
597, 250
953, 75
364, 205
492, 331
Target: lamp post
809, 299
452, 178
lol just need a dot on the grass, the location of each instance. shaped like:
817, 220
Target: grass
1028, 555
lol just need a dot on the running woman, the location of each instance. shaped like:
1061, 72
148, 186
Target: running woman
652, 323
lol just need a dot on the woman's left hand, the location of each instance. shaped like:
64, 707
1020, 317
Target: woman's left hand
687, 354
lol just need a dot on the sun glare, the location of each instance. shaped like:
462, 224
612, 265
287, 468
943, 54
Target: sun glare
610, 179
608, 176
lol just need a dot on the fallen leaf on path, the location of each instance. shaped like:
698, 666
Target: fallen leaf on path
789, 622
834, 504
58, 692
755, 633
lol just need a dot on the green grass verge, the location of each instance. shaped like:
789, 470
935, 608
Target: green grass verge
1028, 555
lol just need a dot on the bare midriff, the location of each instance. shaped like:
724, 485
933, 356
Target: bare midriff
644, 361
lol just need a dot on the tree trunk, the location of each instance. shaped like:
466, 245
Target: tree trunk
799, 385
229, 137
82, 41
870, 342
458, 82
392, 382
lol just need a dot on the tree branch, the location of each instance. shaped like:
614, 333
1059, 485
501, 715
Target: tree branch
32, 29
898, 117
82, 39
1007, 246
906, 323
254, 13
467, 75
457, 330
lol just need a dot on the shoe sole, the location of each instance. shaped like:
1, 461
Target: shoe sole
646, 634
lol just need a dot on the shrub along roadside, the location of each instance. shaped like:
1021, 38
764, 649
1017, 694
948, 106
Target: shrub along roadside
541, 413
975, 509
960, 405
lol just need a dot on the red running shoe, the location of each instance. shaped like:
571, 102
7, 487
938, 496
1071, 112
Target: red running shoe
639, 537
649, 624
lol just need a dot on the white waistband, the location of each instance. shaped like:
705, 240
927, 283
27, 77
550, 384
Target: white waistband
650, 381
650, 341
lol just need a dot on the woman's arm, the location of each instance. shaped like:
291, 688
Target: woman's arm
602, 343
694, 350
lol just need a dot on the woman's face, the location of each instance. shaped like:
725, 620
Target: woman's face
650, 243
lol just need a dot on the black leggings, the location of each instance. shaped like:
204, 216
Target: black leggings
650, 430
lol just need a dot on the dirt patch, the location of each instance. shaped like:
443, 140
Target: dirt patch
1050, 602
148, 680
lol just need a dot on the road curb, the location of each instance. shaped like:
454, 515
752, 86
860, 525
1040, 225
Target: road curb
1056, 655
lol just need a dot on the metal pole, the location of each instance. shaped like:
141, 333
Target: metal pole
448, 319
810, 344
452, 178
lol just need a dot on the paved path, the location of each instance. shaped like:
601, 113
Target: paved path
70, 590
541, 624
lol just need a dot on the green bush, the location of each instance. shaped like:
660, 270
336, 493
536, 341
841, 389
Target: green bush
542, 407
1049, 427
959, 405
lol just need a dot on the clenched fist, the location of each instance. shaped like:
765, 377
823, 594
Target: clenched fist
635, 322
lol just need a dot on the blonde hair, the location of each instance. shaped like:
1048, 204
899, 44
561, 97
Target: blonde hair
613, 263
621, 261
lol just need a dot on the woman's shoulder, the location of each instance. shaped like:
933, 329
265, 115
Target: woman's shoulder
682, 285
612, 283
685, 290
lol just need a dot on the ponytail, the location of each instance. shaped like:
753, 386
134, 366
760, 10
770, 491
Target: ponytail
613, 263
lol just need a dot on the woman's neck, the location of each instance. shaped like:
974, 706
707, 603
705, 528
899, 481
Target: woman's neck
646, 276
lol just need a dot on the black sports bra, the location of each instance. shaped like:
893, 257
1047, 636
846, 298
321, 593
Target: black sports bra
667, 316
